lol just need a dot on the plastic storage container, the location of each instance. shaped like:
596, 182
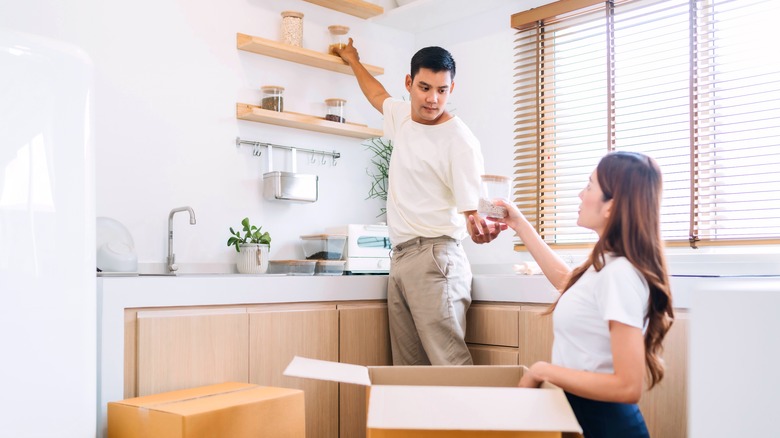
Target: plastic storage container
330, 267
292, 267
273, 98
292, 28
339, 38
494, 187
323, 246
335, 112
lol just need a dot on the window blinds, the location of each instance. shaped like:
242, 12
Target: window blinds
694, 84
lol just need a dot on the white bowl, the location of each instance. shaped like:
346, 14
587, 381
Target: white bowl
117, 257
111, 230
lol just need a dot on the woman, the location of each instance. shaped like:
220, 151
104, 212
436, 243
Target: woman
615, 309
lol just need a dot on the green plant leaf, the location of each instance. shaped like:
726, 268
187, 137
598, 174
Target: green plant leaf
382, 150
252, 234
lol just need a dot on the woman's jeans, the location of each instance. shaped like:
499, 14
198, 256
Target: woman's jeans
608, 420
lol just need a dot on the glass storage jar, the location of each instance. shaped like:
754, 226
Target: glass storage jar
335, 111
292, 28
273, 99
493, 188
339, 37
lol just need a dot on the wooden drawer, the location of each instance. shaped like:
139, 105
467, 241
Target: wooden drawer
491, 355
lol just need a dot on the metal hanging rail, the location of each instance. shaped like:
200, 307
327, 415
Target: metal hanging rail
259, 144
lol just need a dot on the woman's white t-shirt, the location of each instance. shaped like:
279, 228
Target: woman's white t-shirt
434, 175
581, 318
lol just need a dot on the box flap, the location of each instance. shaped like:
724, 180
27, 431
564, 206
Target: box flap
470, 408
326, 370
485, 375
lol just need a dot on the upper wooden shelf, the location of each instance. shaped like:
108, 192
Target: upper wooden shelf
298, 54
358, 8
254, 113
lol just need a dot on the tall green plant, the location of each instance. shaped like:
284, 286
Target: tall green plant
382, 148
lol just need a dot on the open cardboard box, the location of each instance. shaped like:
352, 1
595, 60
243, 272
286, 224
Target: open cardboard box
449, 401
232, 409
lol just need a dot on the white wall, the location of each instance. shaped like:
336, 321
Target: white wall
168, 75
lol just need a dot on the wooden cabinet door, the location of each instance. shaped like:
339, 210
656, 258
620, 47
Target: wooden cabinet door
178, 349
665, 407
492, 324
364, 339
277, 333
536, 334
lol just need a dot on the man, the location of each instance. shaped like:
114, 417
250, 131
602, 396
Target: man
433, 191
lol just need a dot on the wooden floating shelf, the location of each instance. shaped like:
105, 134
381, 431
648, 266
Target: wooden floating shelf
300, 55
254, 113
358, 8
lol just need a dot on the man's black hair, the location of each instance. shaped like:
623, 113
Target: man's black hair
433, 58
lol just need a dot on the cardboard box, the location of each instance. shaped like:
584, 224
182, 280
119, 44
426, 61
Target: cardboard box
236, 410
451, 401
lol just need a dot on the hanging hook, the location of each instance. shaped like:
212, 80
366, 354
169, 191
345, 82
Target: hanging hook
333, 159
256, 151
312, 160
323, 159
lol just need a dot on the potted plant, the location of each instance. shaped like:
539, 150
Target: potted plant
382, 149
252, 246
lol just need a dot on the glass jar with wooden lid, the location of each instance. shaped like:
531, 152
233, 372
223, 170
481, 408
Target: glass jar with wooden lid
273, 98
339, 37
335, 111
292, 28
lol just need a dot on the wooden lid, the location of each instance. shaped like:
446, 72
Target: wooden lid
338, 29
294, 262
323, 236
292, 14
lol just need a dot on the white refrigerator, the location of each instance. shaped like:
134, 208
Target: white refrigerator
47, 240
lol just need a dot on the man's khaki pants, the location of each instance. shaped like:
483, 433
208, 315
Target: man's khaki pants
428, 294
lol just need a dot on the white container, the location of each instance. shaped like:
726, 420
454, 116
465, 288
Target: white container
330, 267
323, 246
292, 267
252, 258
117, 256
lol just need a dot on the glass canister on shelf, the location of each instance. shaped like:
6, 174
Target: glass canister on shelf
339, 37
273, 98
292, 28
494, 187
335, 112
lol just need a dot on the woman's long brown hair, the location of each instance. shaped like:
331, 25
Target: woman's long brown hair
633, 230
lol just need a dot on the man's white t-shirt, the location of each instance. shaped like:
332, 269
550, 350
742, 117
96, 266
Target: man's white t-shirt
581, 318
434, 175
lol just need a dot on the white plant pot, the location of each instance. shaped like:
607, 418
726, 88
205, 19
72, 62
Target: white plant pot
252, 258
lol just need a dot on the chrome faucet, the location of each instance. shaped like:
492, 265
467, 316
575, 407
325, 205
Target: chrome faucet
172, 267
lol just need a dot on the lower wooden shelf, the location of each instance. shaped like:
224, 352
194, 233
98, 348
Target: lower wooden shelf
254, 113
